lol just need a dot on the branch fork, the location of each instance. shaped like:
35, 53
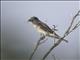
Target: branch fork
67, 32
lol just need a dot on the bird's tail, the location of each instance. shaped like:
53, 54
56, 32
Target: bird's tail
58, 37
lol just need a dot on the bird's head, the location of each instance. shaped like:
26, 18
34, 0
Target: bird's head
33, 19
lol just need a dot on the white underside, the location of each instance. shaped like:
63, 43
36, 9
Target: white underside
41, 31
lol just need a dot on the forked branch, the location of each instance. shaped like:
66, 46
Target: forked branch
67, 32
38, 43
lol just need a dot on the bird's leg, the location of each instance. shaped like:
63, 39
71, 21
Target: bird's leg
42, 36
42, 39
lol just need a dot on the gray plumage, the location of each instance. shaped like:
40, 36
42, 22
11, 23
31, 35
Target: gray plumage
43, 27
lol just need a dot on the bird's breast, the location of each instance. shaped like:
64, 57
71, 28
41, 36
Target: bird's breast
42, 31
34, 26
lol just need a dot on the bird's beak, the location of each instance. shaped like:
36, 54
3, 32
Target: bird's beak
29, 20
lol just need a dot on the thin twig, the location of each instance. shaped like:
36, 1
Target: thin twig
60, 40
53, 54
54, 57
56, 44
43, 41
76, 26
67, 31
38, 43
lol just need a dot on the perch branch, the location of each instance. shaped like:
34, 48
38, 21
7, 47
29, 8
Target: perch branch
54, 57
65, 34
38, 43
76, 26
67, 31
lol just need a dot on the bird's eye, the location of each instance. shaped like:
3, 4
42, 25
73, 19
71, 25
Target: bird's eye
36, 18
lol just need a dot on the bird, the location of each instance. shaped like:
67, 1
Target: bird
43, 28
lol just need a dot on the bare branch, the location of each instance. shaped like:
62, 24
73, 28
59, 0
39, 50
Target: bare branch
76, 26
54, 57
43, 42
38, 43
54, 45
67, 31
65, 34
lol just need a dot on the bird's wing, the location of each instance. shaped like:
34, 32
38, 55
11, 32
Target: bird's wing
45, 27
